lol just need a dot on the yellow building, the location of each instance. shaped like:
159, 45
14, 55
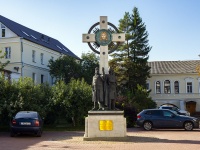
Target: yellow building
29, 51
175, 82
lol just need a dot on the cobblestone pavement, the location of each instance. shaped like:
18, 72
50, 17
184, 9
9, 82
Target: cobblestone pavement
137, 139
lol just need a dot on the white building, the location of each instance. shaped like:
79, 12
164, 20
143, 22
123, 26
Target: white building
29, 51
176, 82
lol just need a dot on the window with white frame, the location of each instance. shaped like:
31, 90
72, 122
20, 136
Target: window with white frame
3, 30
158, 87
176, 87
167, 87
189, 87
52, 80
33, 55
42, 58
7, 52
199, 87
199, 84
34, 77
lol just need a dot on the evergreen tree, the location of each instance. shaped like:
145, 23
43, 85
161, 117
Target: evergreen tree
130, 61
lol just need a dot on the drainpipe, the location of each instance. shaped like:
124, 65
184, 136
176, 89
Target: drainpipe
21, 41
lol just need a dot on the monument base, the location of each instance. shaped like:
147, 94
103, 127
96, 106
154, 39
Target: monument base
105, 125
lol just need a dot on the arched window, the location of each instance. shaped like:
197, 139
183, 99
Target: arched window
167, 87
176, 87
158, 90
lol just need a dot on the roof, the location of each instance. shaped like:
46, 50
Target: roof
173, 67
36, 37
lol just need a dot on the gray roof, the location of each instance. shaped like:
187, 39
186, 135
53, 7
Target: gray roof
36, 37
173, 67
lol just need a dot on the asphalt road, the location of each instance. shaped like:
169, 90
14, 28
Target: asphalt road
137, 139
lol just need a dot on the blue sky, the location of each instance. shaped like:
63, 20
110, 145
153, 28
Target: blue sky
173, 25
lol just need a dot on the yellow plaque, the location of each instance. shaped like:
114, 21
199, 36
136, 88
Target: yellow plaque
105, 125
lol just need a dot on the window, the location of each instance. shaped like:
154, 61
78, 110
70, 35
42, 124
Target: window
3, 30
147, 86
199, 86
8, 52
158, 91
59, 47
41, 58
167, 87
52, 80
154, 112
42, 78
167, 114
65, 50
176, 87
34, 77
34, 37
189, 87
25, 33
33, 55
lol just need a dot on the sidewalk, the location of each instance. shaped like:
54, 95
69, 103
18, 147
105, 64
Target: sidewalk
137, 139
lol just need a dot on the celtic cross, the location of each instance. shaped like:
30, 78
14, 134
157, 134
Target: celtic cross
103, 38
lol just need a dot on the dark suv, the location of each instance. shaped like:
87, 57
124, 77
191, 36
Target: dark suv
164, 118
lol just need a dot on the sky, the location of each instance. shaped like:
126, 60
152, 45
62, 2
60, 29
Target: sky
173, 25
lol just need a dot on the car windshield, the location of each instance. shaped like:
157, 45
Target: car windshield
172, 108
175, 112
26, 115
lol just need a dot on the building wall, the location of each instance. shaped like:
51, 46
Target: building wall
36, 66
14, 44
21, 63
180, 99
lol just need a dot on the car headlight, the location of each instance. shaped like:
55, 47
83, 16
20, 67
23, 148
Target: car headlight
195, 120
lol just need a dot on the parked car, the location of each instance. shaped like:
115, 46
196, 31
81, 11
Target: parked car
165, 118
180, 112
26, 122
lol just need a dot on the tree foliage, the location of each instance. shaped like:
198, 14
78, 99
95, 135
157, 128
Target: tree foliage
23, 95
2, 64
62, 101
88, 64
65, 68
79, 100
130, 61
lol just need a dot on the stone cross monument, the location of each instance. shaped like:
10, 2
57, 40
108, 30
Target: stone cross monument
101, 122
103, 38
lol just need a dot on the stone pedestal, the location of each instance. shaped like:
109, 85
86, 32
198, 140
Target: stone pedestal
105, 124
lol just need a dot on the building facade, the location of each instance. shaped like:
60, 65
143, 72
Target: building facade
177, 83
29, 51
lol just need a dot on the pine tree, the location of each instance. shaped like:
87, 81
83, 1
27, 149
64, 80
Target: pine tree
130, 61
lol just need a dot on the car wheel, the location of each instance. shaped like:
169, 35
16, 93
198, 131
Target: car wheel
39, 133
188, 126
147, 125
